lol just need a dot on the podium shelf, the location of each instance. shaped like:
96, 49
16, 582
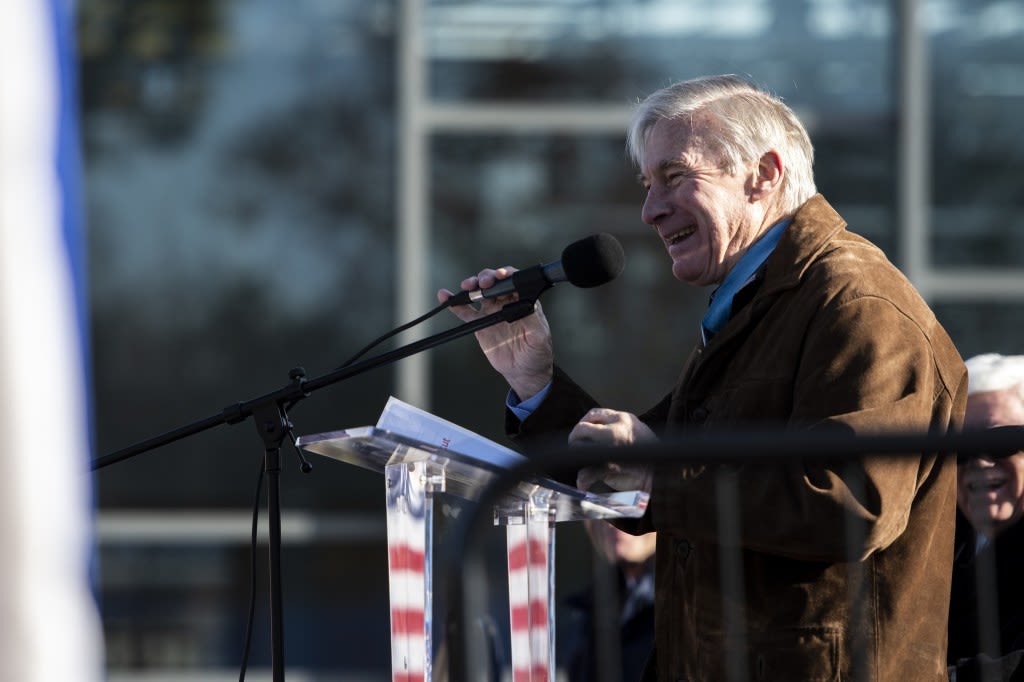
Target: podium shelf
466, 476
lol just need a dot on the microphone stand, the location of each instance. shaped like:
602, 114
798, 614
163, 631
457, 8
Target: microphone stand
270, 416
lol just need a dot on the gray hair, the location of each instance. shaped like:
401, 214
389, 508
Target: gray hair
995, 372
747, 122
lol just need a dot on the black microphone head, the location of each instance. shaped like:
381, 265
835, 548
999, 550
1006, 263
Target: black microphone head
593, 261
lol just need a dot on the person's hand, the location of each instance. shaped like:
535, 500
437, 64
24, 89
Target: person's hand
601, 426
521, 351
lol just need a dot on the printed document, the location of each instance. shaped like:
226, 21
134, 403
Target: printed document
407, 420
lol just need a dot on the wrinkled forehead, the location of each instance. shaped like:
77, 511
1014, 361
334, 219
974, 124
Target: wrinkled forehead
987, 409
688, 139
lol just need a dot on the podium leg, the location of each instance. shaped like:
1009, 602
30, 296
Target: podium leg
531, 593
410, 539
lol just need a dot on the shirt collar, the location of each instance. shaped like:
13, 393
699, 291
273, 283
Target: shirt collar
720, 307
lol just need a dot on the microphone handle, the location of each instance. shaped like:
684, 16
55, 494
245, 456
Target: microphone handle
528, 283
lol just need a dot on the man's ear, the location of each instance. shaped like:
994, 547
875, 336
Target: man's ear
768, 175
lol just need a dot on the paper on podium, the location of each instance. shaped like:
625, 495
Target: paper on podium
466, 461
412, 422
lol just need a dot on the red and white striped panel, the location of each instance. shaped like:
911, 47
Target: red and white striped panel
408, 580
528, 591
408, 640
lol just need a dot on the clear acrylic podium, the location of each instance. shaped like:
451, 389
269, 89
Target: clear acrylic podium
414, 472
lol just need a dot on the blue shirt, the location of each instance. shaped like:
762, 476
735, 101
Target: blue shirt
742, 273
525, 408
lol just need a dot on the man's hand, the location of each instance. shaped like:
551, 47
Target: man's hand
606, 427
521, 351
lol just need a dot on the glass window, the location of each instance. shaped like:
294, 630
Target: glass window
983, 326
240, 188
977, 149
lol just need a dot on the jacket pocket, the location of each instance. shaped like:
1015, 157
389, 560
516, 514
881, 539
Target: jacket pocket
804, 655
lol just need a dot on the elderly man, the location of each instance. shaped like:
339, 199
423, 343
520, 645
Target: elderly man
986, 619
835, 571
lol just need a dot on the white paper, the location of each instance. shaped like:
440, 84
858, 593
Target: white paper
407, 420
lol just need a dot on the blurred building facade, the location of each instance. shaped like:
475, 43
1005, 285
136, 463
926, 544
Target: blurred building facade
270, 185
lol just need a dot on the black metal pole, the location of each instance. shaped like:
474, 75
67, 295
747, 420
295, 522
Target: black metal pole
273, 425
273, 469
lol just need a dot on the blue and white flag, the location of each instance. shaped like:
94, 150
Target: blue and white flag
49, 627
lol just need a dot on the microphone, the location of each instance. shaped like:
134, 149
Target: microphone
589, 262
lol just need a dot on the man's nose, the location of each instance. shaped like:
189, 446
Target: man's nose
655, 207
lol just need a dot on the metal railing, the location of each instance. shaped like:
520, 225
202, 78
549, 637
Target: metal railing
467, 574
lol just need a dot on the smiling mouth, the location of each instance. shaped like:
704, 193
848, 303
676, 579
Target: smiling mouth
985, 485
680, 236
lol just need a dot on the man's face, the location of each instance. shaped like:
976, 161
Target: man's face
990, 491
619, 547
706, 218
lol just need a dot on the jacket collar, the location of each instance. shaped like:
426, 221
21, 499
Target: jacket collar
814, 224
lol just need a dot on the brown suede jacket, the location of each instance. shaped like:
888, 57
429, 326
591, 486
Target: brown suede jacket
840, 572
